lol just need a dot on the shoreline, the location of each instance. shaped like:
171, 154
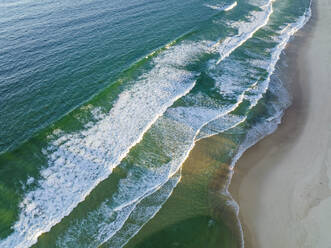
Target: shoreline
278, 191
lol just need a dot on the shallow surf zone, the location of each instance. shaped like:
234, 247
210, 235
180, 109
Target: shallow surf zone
266, 121
190, 89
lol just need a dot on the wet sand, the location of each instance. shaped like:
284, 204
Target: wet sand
282, 184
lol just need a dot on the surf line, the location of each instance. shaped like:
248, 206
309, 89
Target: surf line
284, 38
227, 46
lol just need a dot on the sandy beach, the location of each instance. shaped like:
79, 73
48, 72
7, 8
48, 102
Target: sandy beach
283, 184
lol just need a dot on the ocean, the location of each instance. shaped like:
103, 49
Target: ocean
101, 103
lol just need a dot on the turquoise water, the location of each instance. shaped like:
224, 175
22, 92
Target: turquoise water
102, 101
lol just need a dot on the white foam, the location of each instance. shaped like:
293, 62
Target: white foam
106, 221
258, 90
144, 212
219, 125
222, 8
231, 6
246, 30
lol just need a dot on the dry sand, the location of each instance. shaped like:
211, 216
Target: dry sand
283, 184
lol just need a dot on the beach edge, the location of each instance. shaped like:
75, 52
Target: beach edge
269, 184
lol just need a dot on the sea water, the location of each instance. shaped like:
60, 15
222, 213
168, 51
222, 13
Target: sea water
117, 93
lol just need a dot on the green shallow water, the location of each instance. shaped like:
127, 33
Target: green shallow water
195, 232
196, 214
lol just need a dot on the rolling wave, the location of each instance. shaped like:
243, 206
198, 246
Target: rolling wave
245, 31
79, 161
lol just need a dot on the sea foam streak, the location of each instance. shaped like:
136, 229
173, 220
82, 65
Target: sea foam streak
222, 8
143, 212
245, 32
